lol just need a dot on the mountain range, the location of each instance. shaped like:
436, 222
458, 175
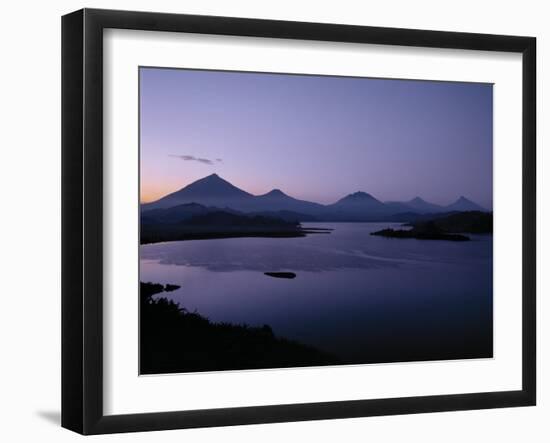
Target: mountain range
214, 193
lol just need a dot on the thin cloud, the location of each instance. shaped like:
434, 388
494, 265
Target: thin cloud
192, 158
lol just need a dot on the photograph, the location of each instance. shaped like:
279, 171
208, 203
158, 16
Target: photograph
291, 220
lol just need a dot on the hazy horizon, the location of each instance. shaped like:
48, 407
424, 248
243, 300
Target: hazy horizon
316, 138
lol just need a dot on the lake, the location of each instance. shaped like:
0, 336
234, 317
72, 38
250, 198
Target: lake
362, 298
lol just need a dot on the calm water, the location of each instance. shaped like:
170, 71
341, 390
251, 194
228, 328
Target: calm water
362, 298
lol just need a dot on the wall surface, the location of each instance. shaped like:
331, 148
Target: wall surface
30, 222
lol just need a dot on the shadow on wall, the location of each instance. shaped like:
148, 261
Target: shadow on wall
54, 417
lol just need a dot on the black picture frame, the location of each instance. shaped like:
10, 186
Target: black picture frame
82, 215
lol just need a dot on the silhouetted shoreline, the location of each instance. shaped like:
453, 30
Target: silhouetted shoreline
412, 233
449, 227
166, 237
221, 224
173, 340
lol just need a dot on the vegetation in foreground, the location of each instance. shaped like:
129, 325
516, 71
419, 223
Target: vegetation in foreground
173, 339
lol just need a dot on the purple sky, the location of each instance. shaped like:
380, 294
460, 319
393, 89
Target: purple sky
316, 138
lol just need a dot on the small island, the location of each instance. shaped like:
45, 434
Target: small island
288, 275
420, 235
450, 227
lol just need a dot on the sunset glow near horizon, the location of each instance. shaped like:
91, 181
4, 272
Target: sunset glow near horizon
316, 138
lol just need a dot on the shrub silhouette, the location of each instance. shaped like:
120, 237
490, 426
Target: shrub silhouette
172, 339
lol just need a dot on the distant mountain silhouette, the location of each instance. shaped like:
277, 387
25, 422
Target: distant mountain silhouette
398, 207
277, 200
357, 206
209, 191
420, 205
463, 204
214, 193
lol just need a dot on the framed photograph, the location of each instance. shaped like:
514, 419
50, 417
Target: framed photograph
269, 221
